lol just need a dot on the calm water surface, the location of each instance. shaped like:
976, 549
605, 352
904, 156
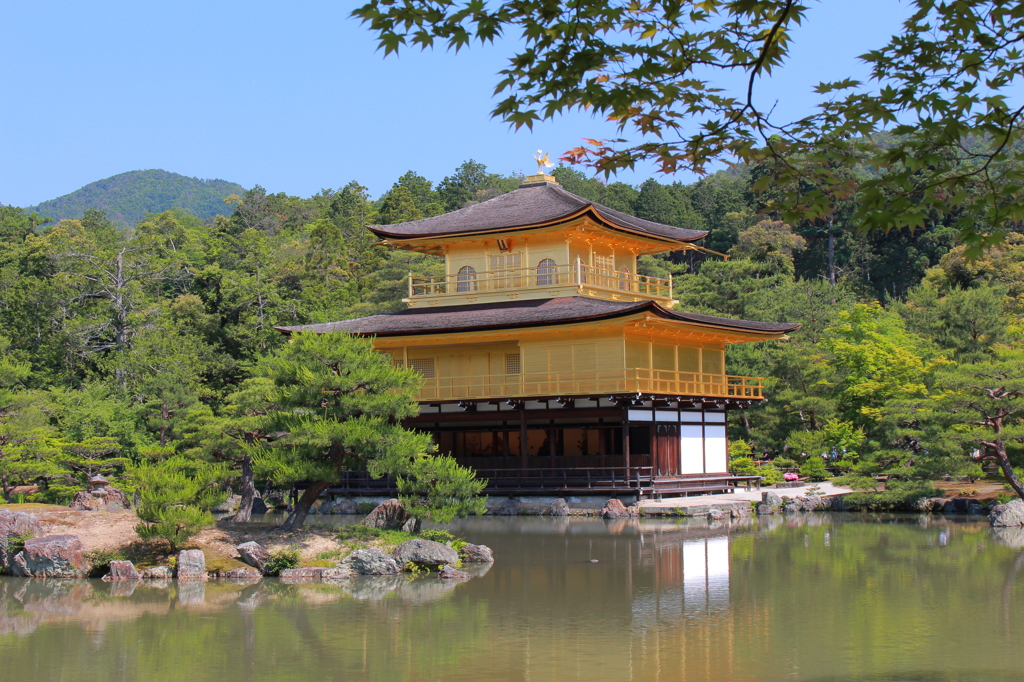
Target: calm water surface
817, 598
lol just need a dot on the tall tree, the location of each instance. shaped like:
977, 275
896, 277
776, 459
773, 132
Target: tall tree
339, 404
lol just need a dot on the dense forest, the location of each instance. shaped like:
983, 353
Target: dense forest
129, 197
131, 345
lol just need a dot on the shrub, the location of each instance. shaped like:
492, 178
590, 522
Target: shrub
175, 524
176, 497
280, 560
770, 472
813, 469
742, 466
785, 463
898, 496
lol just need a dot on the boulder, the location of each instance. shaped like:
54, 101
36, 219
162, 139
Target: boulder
949, 507
510, 507
839, 503
813, 503
254, 554
390, 515
791, 507
559, 508
246, 574
346, 506
306, 575
715, 514
771, 499
476, 554
370, 561
326, 507
962, 504
764, 509
157, 573
976, 510
52, 556
332, 575
614, 509
1009, 514
449, 573
229, 505
122, 570
191, 565
16, 526
106, 498
424, 553
259, 506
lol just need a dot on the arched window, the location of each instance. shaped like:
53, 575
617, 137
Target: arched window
546, 273
624, 279
466, 279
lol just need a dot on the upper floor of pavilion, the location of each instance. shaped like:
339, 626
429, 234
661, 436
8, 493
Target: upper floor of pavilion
537, 242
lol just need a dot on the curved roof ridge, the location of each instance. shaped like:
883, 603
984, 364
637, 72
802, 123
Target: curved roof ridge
525, 313
523, 208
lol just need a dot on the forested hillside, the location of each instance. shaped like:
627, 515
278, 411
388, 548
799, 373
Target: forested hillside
131, 345
128, 197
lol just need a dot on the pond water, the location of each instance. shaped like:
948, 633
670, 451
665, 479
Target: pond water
818, 598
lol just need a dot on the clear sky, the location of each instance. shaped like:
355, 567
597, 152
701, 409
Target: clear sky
294, 96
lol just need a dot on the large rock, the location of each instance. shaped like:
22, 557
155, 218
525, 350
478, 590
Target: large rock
962, 504
449, 573
510, 507
771, 499
370, 561
1009, 514
346, 506
559, 508
15, 526
476, 554
254, 554
107, 498
229, 505
122, 570
425, 553
191, 565
53, 556
157, 573
614, 509
390, 515
259, 506
246, 574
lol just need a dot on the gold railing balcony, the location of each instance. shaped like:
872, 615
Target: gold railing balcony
614, 283
601, 382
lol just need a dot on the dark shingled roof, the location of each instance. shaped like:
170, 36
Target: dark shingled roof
529, 313
527, 206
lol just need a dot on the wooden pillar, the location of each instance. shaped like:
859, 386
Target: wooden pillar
522, 438
552, 436
602, 448
625, 441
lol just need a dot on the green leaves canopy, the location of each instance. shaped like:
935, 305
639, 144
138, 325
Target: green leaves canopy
661, 71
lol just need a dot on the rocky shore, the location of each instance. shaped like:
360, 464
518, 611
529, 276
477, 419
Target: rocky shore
62, 543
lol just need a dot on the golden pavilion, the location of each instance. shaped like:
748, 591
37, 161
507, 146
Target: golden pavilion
550, 365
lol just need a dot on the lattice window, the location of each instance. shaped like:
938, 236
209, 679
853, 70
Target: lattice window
424, 366
466, 279
546, 273
605, 267
506, 270
512, 363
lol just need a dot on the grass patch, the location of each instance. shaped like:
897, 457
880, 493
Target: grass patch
354, 537
32, 506
280, 560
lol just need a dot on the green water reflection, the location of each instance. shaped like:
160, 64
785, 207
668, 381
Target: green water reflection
819, 598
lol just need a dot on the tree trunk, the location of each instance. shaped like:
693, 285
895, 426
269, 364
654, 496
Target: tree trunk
1008, 472
301, 511
7, 488
247, 489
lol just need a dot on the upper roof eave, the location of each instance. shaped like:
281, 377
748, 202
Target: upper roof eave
527, 208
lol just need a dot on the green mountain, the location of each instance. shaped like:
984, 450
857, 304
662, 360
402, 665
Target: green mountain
128, 197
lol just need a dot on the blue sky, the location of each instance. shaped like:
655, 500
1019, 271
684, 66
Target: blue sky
294, 96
